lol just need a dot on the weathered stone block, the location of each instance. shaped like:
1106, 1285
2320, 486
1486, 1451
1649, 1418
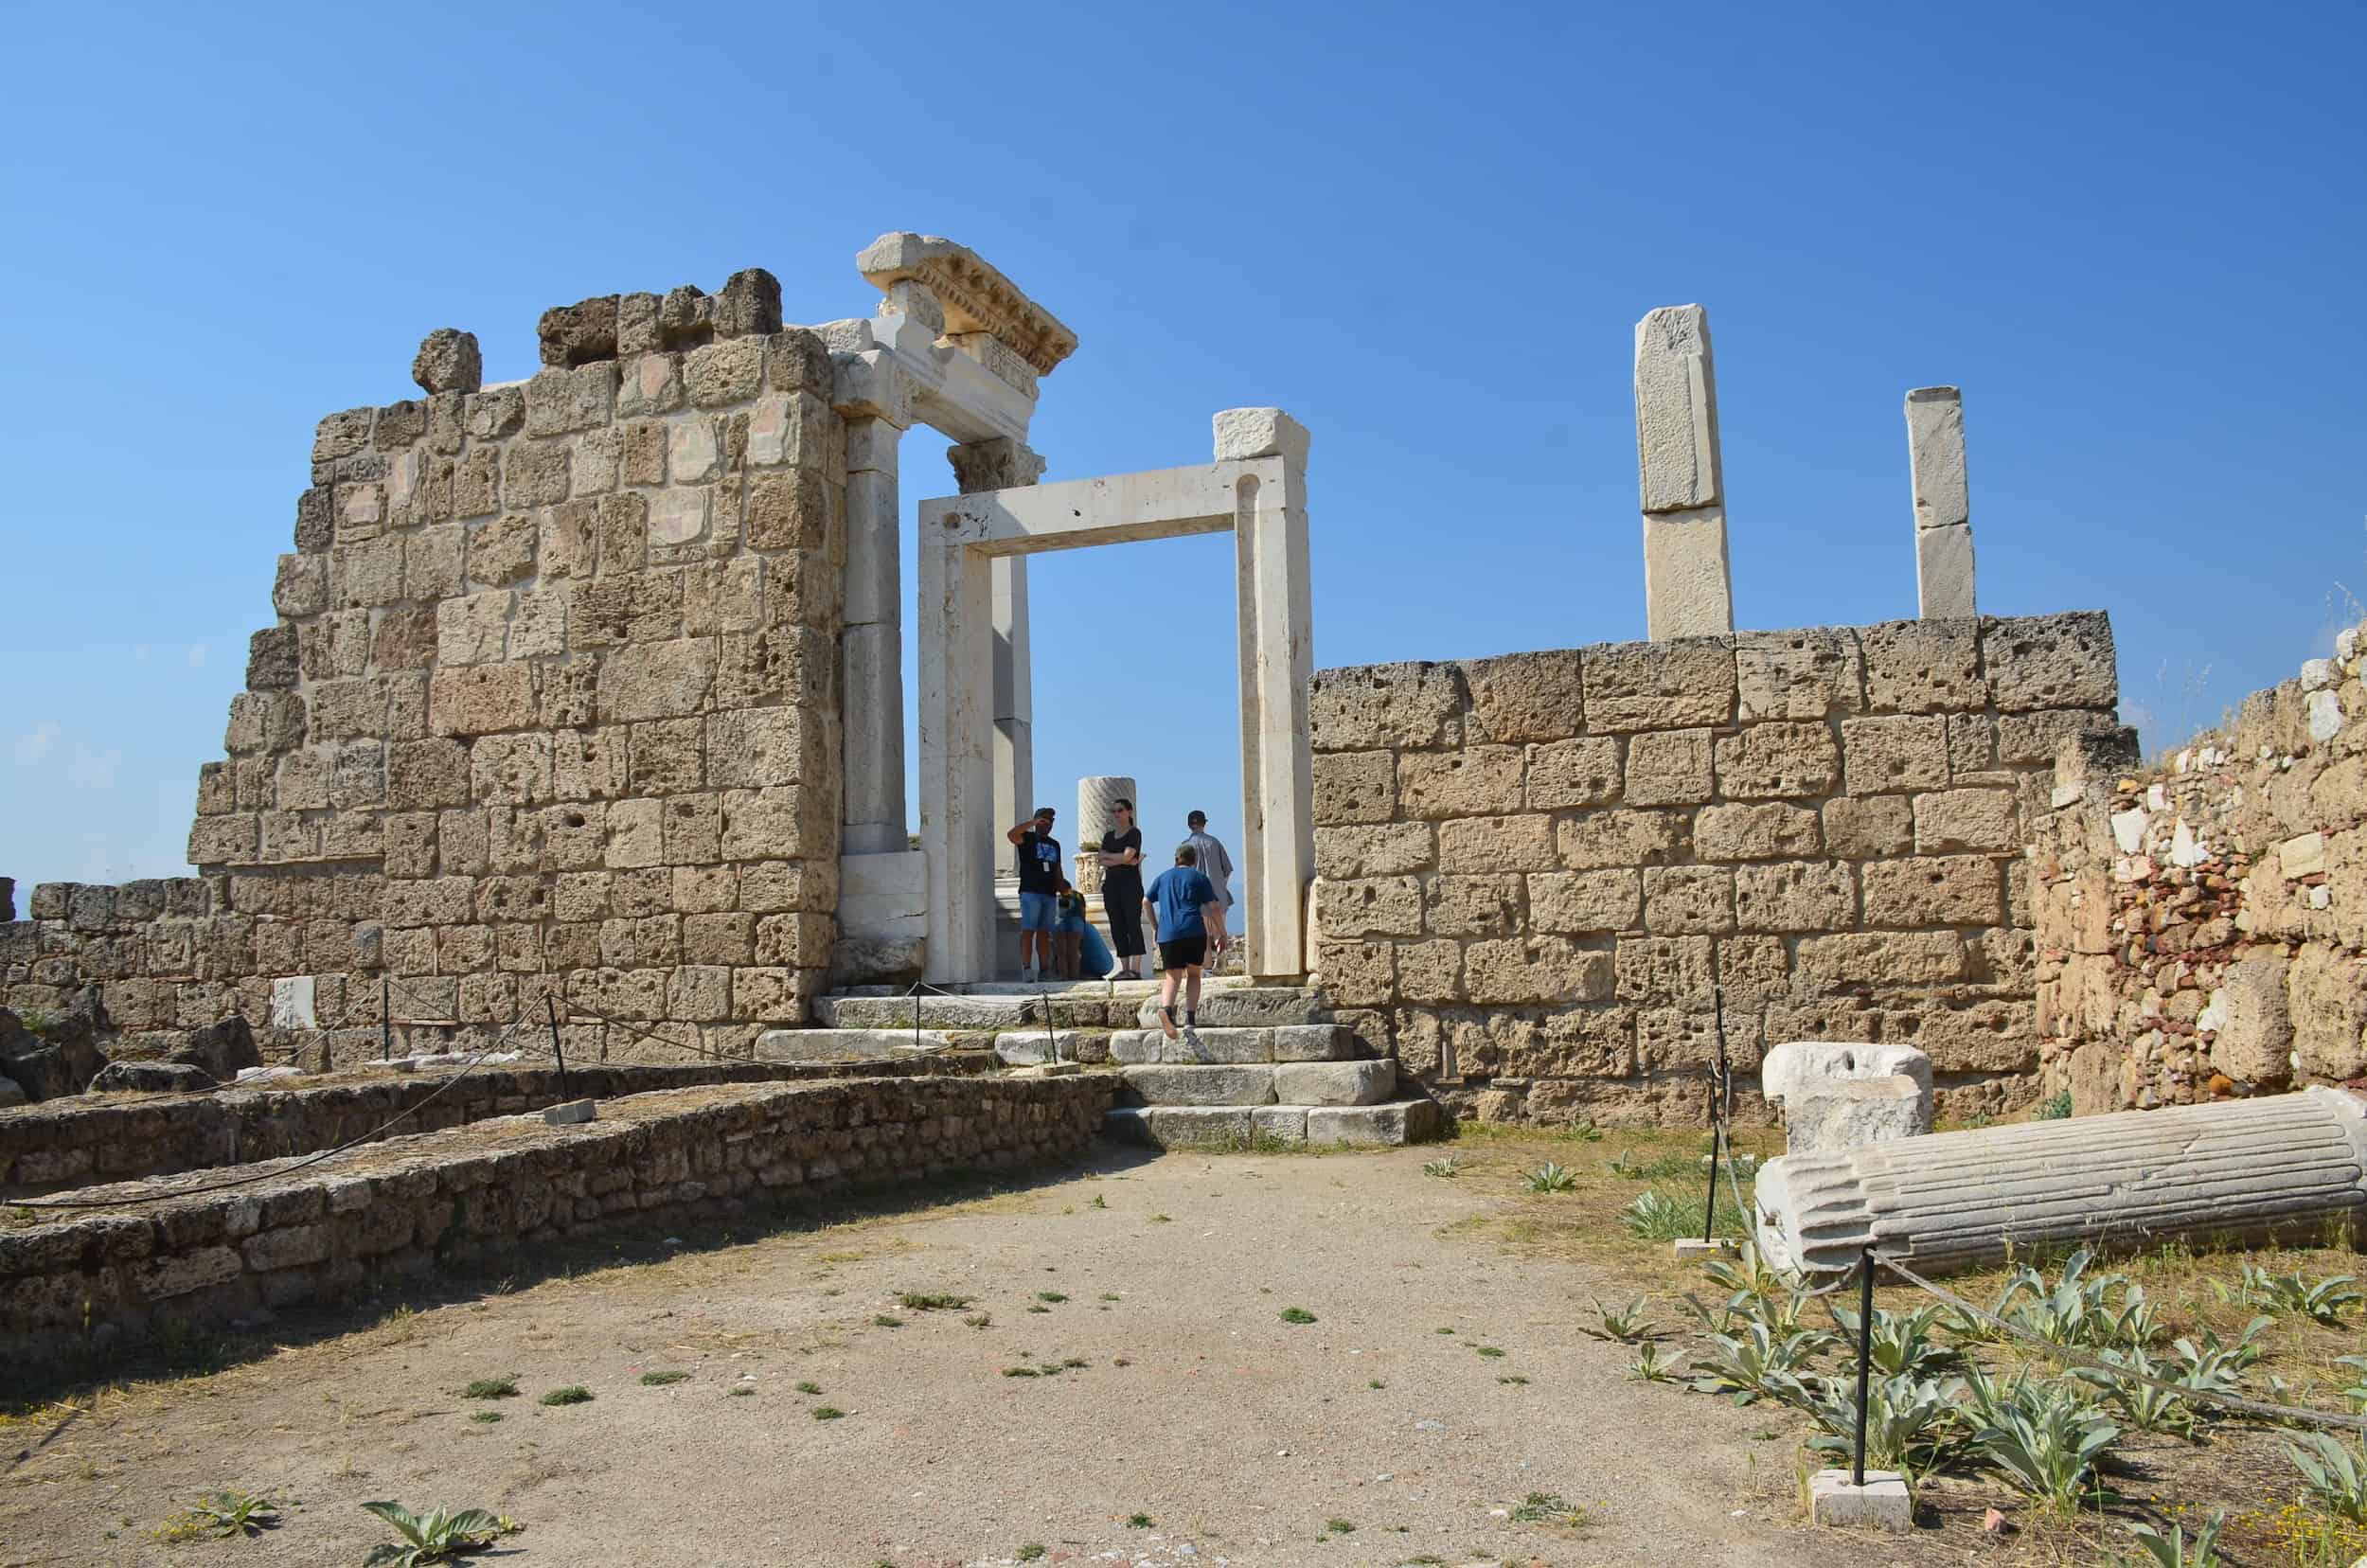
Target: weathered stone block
1669, 768
2327, 1000
1664, 970
725, 372
1795, 896
534, 473
1199, 1085
1377, 850
1354, 787
1923, 667
1356, 973
1462, 906
1600, 840
1770, 831
1936, 890
449, 360
1410, 706
482, 699
1583, 902
1376, 906
655, 680
1334, 1082
1810, 673
1776, 759
1867, 828
1430, 971
2254, 1041
1474, 781
1584, 771
1524, 697
1653, 686
272, 659
1954, 820
1497, 844
1387, 1125
1686, 900
1856, 960
2064, 661
1908, 751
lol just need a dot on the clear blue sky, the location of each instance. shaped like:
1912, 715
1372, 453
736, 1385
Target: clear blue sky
2134, 235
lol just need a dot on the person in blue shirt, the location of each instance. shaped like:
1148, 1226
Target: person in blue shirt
1187, 918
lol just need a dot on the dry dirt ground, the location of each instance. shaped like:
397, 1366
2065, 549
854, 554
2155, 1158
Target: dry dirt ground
1370, 1435
1174, 1416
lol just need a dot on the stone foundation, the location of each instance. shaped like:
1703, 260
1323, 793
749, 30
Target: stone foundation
77, 1279
68, 1142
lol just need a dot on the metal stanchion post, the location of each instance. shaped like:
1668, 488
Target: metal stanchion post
386, 1025
558, 1050
1709, 1204
1865, 1359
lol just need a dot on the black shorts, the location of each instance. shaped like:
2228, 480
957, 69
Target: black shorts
1184, 953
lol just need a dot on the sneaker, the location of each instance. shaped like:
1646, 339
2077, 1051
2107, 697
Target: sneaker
1191, 1018
1166, 1021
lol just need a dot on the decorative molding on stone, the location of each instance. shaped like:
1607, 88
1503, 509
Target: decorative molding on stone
976, 296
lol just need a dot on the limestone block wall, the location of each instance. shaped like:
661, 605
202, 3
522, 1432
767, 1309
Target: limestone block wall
2202, 920
75, 1281
549, 705
1539, 875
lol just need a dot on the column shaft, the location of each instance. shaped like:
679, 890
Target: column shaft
1687, 588
1935, 459
871, 647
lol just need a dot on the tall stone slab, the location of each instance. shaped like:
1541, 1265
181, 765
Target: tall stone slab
1935, 457
871, 647
1687, 590
992, 465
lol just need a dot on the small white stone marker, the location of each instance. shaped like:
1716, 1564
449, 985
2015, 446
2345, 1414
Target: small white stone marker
570, 1112
1881, 1503
1693, 1249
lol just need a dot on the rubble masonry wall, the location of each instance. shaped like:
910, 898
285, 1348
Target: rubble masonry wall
1537, 873
2202, 919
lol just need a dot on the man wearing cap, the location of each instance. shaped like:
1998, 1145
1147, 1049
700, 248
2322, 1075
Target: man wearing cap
1214, 862
1038, 895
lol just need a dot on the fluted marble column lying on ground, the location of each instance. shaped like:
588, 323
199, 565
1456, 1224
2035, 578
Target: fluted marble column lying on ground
2284, 1165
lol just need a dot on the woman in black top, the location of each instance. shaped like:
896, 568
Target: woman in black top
1122, 889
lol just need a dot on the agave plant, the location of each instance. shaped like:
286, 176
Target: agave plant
2321, 1300
2174, 1550
2078, 1309
1449, 1166
1913, 1425
1550, 1177
437, 1536
2046, 1440
2336, 1475
1650, 1367
2144, 1407
2213, 1366
1655, 1216
1902, 1343
1626, 1325
1758, 1362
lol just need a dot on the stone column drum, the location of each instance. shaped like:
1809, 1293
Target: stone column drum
2245, 1171
1094, 798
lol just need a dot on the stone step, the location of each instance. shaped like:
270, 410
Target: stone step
1248, 1008
1203, 1047
1030, 1048
1259, 1083
1386, 1124
847, 1044
1118, 989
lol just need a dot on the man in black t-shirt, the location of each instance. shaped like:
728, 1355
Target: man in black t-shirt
1122, 890
1039, 894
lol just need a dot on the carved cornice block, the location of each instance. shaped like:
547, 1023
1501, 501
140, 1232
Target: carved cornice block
976, 297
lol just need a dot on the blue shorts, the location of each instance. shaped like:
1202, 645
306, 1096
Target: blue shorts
1039, 911
1070, 925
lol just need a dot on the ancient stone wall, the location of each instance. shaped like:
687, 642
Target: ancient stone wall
73, 1281
1539, 875
549, 706
2202, 919
72, 1142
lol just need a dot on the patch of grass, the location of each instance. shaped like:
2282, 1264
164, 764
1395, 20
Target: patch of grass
1512, 1378
223, 1515
2055, 1107
1660, 1215
1339, 1526
1111, 1296
1037, 1306
492, 1388
1072, 1363
1138, 1521
485, 1417
1445, 1331
1020, 1372
1098, 1202
1030, 1552
1449, 1167
1548, 1509
1491, 1352
808, 1388
1050, 1295
1161, 1219
886, 1320
1297, 1314
1375, 1382
978, 1320
1120, 1361
659, 1380
572, 1394
741, 1390
932, 1301
827, 1413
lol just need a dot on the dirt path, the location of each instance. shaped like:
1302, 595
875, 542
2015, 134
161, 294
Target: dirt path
1242, 1437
